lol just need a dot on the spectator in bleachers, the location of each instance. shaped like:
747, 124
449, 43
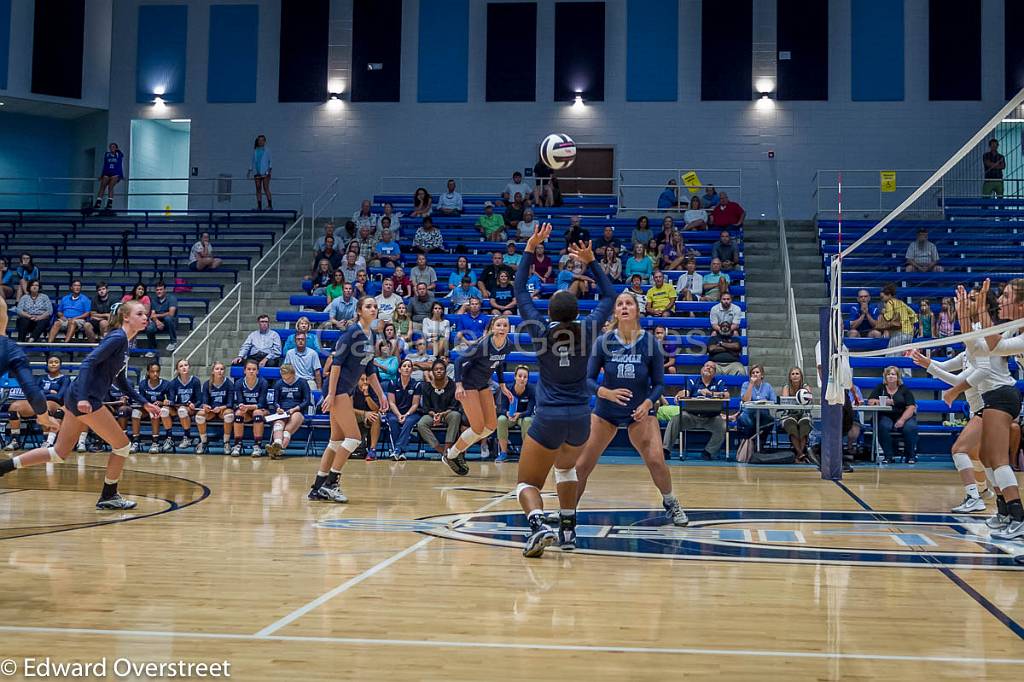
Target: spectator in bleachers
386, 361
349, 233
321, 241
8, 280
438, 408
99, 318
897, 320
653, 252
902, 416
489, 277
73, 315
306, 327
606, 239
352, 264
450, 203
428, 239
138, 293
304, 360
321, 277
710, 197
695, 217
863, 317
636, 290
926, 319
420, 358
668, 228
756, 389
330, 254
163, 317
403, 407
260, 168
514, 213
366, 243
201, 257
515, 411
946, 322
543, 267
436, 330
639, 263
705, 386
471, 323
27, 273
387, 251
725, 251
422, 203
364, 286
394, 217
661, 297
502, 297
669, 197
337, 286
516, 186
922, 256
611, 263
690, 285
728, 214
387, 300
262, 346
725, 350
796, 423
575, 234
342, 310
573, 279
641, 233
490, 225
403, 285
511, 257
668, 349
716, 282
423, 273
672, 252
403, 323
34, 312
461, 270
725, 312
421, 304
994, 164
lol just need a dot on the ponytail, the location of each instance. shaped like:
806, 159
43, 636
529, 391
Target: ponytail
120, 311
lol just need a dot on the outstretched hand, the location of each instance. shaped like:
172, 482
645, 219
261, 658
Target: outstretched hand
920, 359
582, 252
540, 235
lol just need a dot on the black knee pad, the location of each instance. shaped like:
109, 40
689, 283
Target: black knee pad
124, 412
12, 415
258, 419
59, 414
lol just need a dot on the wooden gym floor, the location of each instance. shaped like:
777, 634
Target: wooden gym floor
781, 575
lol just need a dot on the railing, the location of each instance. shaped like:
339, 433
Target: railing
272, 258
787, 282
639, 188
215, 193
408, 184
970, 187
863, 195
205, 329
321, 205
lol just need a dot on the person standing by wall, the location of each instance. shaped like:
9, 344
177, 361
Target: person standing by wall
112, 173
260, 168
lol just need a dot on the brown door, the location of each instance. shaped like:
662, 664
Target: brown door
591, 162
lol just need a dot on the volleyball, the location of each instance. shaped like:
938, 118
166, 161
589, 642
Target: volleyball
804, 396
557, 151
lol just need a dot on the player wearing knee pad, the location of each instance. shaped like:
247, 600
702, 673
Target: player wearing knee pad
251, 400
185, 392
217, 402
292, 400
155, 390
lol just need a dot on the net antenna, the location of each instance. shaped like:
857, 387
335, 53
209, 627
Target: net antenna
840, 374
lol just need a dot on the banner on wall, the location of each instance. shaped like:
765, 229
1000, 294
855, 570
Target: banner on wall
691, 181
888, 181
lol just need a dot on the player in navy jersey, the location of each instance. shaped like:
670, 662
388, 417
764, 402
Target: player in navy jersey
185, 394
217, 403
112, 173
53, 384
104, 366
634, 379
562, 424
154, 390
252, 404
291, 398
14, 361
352, 358
404, 403
473, 371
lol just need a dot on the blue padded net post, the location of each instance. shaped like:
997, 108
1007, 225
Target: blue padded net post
831, 415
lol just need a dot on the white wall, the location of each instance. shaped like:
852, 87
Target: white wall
158, 152
362, 142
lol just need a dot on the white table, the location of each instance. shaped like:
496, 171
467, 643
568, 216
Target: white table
814, 410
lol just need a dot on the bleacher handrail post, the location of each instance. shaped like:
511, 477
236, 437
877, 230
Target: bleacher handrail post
315, 208
280, 250
206, 322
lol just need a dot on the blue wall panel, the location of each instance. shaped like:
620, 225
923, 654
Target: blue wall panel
162, 40
234, 37
652, 50
877, 50
444, 51
5, 40
33, 147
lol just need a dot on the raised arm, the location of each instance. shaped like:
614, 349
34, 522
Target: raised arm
596, 319
527, 310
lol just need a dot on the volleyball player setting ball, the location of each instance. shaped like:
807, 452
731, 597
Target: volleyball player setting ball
562, 425
83, 405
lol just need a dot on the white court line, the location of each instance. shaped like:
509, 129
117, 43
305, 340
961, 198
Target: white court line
517, 646
370, 572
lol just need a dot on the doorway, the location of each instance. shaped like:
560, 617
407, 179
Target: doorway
158, 165
591, 162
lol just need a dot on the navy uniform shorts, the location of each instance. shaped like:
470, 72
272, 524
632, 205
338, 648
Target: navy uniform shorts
553, 427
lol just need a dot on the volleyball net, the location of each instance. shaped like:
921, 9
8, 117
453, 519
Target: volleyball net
962, 225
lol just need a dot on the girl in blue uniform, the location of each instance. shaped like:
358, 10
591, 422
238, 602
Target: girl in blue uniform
217, 403
291, 398
54, 385
154, 390
352, 358
404, 403
83, 401
252, 404
473, 370
184, 394
562, 424
634, 378
112, 173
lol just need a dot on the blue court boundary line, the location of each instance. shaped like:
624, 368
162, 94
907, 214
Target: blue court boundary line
967, 588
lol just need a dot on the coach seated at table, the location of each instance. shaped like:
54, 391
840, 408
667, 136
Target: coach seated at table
902, 416
706, 386
262, 345
755, 390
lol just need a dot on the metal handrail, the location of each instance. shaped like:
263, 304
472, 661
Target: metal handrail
204, 342
280, 248
462, 181
787, 281
734, 184
318, 203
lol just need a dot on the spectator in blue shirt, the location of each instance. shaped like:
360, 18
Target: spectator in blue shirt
342, 310
471, 324
73, 315
389, 253
862, 317
9, 279
754, 390
460, 296
706, 386
709, 199
163, 317
669, 198
510, 257
450, 203
27, 273
461, 270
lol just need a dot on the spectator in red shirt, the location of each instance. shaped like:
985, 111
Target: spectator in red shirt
542, 265
728, 213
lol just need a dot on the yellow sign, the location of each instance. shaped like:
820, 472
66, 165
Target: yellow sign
888, 181
691, 180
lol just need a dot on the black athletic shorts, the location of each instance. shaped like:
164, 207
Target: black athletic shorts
1005, 399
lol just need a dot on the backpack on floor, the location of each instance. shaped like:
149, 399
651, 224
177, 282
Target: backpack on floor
773, 457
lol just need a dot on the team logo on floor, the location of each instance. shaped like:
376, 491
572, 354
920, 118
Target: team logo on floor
767, 535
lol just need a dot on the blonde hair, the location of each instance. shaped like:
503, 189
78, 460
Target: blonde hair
1018, 289
613, 323
789, 382
899, 374
306, 320
287, 368
122, 311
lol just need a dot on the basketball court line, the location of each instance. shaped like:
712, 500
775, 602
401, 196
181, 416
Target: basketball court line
514, 646
370, 572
